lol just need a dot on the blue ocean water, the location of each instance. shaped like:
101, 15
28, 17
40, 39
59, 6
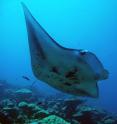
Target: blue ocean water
90, 25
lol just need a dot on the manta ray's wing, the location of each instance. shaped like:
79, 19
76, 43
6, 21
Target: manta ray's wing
40, 43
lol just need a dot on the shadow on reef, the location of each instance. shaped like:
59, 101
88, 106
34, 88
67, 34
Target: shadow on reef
29, 106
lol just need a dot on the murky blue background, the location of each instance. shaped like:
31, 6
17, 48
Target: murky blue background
86, 24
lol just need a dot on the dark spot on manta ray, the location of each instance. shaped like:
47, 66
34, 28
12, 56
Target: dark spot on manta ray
72, 74
68, 84
55, 70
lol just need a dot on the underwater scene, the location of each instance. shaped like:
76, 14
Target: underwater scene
58, 62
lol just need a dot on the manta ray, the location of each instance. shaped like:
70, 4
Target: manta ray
73, 71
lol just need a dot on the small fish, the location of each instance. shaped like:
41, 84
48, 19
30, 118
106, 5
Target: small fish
73, 71
26, 78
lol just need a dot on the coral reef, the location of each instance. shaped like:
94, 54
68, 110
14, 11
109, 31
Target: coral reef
25, 106
53, 119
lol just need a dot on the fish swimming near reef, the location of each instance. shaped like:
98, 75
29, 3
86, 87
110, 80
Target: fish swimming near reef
69, 70
26, 78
